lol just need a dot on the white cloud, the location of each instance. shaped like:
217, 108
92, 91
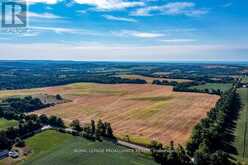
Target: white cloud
61, 30
111, 4
82, 11
173, 8
52, 51
29, 34
196, 12
178, 40
49, 8
55, 29
42, 15
50, 2
139, 34
114, 18
177, 7
33, 31
227, 5
4, 38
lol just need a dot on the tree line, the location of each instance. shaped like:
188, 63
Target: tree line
45, 80
210, 141
185, 86
170, 155
28, 125
211, 136
15, 107
93, 131
23, 105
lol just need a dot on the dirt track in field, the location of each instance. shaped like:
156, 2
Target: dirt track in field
150, 111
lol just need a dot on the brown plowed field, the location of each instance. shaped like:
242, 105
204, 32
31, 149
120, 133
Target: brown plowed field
150, 111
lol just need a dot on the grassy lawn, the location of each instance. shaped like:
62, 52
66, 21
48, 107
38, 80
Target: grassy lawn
4, 124
241, 133
52, 147
223, 87
244, 79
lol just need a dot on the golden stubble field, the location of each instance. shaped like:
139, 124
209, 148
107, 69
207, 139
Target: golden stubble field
149, 111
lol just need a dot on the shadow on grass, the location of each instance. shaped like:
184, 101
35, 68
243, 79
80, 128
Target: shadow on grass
227, 143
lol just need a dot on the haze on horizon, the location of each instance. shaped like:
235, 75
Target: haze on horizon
131, 30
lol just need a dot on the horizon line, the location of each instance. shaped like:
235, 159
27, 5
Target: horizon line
130, 61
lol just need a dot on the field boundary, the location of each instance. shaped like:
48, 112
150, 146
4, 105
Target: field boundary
245, 133
119, 142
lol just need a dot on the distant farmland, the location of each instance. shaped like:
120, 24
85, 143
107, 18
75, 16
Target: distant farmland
147, 111
213, 86
150, 79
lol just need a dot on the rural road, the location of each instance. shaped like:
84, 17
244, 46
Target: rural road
133, 146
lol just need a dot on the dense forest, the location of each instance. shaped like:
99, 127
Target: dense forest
22, 105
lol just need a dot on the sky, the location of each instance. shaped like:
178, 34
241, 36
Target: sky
130, 30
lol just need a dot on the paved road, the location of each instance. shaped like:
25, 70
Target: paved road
133, 146
46, 127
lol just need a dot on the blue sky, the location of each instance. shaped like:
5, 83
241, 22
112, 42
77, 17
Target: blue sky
143, 30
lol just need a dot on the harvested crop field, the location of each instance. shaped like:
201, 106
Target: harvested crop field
148, 111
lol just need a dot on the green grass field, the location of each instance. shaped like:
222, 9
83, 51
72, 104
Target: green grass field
223, 87
56, 148
244, 79
241, 132
4, 124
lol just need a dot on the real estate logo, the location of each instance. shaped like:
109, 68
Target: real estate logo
14, 14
